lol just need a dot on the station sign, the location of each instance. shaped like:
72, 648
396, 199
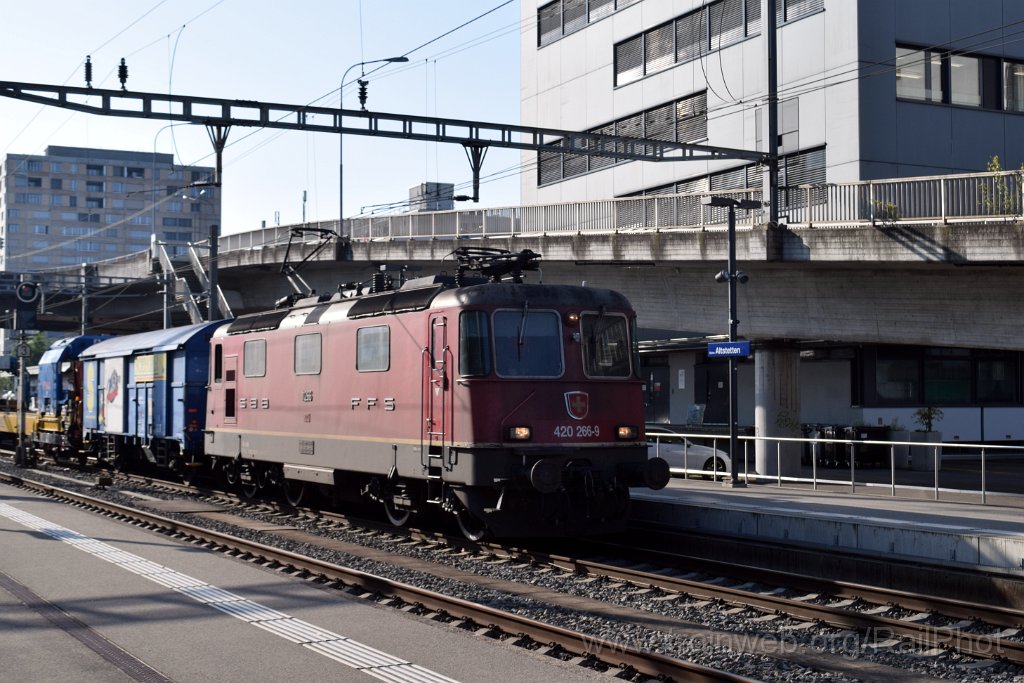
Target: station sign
736, 349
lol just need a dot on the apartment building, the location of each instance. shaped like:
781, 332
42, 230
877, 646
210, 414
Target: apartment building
75, 205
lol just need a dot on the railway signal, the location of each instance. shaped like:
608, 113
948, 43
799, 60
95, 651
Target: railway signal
27, 296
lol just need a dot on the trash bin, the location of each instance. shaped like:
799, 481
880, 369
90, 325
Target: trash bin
871, 455
827, 451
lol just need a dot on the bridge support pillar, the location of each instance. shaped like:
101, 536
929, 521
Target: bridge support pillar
777, 409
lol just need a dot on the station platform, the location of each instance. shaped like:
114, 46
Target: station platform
84, 598
951, 533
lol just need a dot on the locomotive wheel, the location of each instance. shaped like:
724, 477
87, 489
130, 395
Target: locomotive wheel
248, 486
294, 492
471, 527
397, 516
231, 472
188, 474
250, 479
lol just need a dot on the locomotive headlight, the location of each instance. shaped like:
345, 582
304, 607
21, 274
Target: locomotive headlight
572, 319
519, 433
625, 433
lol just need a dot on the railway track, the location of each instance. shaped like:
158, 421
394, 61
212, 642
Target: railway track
984, 632
468, 615
884, 619
981, 631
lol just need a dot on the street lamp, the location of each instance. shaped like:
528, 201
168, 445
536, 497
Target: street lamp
341, 136
732, 276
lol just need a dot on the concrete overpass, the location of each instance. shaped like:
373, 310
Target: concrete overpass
837, 270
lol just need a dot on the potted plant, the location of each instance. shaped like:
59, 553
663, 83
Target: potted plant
926, 457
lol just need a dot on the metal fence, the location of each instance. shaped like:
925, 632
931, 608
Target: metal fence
976, 197
850, 468
271, 237
967, 198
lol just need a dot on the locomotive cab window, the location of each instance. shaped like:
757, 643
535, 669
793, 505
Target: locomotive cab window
307, 354
527, 343
474, 344
254, 360
373, 349
606, 347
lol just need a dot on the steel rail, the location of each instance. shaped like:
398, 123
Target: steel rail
986, 646
579, 644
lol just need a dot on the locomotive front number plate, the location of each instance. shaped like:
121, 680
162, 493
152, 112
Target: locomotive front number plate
577, 431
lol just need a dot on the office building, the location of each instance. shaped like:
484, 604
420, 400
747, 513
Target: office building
868, 89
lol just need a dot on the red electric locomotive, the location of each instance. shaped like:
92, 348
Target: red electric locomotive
517, 407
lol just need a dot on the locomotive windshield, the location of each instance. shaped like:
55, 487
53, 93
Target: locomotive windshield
527, 343
606, 348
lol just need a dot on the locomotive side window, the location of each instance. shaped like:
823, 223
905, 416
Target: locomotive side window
373, 349
527, 343
218, 363
474, 344
606, 348
307, 354
254, 362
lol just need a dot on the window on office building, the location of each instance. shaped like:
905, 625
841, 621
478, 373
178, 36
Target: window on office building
726, 23
710, 27
895, 376
596, 9
690, 36
629, 60
1013, 86
56, 184
93, 169
965, 80
684, 120
919, 75
659, 48
791, 10
94, 186
94, 202
960, 79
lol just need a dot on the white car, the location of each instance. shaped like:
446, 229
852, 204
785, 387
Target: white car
682, 454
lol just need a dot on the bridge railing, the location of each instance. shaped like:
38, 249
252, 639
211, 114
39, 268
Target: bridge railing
270, 237
974, 197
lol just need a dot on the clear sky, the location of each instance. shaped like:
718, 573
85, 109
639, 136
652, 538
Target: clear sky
271, 51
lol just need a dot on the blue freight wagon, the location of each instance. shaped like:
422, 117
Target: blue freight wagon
145, 396
59, 428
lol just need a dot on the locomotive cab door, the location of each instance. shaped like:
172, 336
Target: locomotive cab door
437, 403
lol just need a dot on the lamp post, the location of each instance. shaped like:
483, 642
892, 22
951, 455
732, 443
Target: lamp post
341, 136
732, 276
